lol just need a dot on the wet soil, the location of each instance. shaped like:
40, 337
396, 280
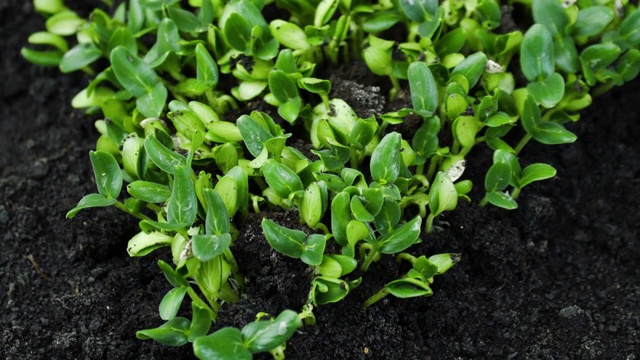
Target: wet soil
556, 279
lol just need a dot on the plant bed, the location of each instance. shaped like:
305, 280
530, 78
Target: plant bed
556, 278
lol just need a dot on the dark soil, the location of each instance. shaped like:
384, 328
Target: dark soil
556, 279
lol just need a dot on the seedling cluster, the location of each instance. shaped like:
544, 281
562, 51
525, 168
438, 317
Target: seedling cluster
166, 75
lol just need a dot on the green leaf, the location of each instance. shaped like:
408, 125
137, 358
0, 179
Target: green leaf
79, 56
408, 288
592, 21
388, 217
465, 129
311, 205
282, 86
206, 247
472, 68
253, 134
265, 335
144, 243
175, 279
537, 60
172, 333
442, 195
550, 14
498, 177
359, 211
183, 203
227, 188
42, 58
423, 87
206, 67
535, 172
171, 302
551, 133
380, 21
237, 32
149, 191
107, 174
91, 201
290, 109
64, 23
313, 249
163, 157
444, 262
501, 200
289, 34
224, 344
340, 217
362, 133
217, 220
401, 238
152, 103
327, 290
186, 20
281, 179
566, 55
386, 160
425, 140
630, 28
548, 92
168, 38
600, 56
378, 60
201, 319
419, 10
286, 241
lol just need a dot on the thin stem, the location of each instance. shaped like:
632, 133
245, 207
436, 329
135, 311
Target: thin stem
369, 258
523, 142
124, 208
375, 298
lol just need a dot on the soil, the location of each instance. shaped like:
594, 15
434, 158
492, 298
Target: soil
557, 278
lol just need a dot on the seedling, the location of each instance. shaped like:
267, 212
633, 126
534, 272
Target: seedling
165, 77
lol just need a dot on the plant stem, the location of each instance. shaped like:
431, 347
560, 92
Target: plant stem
375, 298
124, 208
369, 258
525, 139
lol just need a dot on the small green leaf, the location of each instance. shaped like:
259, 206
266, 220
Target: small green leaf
289, 34
498, 177
281, 179
537, 60
201, 319
91, 201
313, 249
183, 203
327, 290
472, 68
465, 129
253, 134
550, 14
135, 75
79, 56
386, 160
226, 343
592, 21
286, 241
442, 195
174, 278
173, 333
401, 238
148, 191
163, 157
206, 247
217, 219
171, 302
64, 23
535, 172
282, 86
144, 243
388, 217
107, 174
444, 262
206, 67
630, 28
548, 92
419, 10
551, 133
340, 217
311, 205
501, 200
265, 335
359, 211
424, 90
408, 288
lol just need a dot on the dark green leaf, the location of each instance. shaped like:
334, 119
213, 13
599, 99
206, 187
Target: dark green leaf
340, 217
107, 174
424, 90
173, 333
535, 172
550, 14
224, 344
206, 67
408, 288
201, 319
148, 191
537, 60
163, 157
264, 335
419, 10
501, 200
90, 201
592, 20
313, 249
630, 28
388, 216
206, 247
472, 68
171, 302
136, 76
498, 177
281, 179
237, 32
79, 56
183, 203
253, 134
175, 279
401, 238
386, 159
548, 92
217, 220
551, 133
286, 241
327, 290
